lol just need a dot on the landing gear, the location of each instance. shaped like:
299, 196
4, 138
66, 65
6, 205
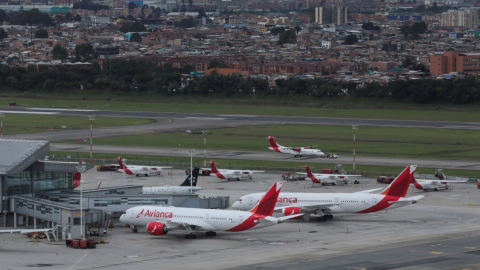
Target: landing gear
329, 216
424, 189
135, 230
436, 189
146, 175
322, 218
190, 236
238, 179
210, 234
333, 183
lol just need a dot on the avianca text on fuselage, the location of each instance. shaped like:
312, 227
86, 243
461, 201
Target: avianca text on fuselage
160, 220
327, 204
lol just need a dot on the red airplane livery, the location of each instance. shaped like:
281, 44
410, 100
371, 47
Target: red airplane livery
160, 220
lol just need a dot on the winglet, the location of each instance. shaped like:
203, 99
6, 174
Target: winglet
399, 186
213, 167
267, 204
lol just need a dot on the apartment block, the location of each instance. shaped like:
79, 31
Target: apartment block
453, 61
331, 14
467, 18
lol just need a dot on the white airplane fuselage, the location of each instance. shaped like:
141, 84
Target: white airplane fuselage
237, 175
347, 202
430, 184
205, 219
299, 152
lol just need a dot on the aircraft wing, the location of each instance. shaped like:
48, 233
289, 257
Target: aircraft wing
173, 223
25, 230
310, 207
368, 191
290, 217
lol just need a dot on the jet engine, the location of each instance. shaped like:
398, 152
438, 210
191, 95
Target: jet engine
157, 228
292, 211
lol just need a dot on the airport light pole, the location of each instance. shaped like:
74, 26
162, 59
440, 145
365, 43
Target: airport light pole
91, 135
1, 124
354, 127
191, 153
81, 169
253, 93
205, 148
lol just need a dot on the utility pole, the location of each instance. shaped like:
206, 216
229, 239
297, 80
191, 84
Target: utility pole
354, 127
91, 135
254, 94
205, 148
81, 169
191, 153
1, 124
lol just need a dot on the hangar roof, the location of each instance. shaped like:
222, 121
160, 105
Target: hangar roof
16, 155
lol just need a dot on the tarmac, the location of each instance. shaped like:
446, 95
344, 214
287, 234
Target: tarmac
439, 232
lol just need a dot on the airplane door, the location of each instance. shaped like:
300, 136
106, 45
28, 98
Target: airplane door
131, 214
240, 219
207, 218
336, 200
374, 201
250, 201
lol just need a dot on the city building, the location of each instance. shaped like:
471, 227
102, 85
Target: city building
467, 18
453, 61
331, 14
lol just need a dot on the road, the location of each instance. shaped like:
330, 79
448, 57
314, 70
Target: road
271, 156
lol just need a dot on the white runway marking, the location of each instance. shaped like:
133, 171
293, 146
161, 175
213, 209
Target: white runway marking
206, 118
237, 115
73, 110
20, 112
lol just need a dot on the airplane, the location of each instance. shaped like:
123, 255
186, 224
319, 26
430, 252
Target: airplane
327, 204
231, 174
183, 188
139, 170
429, 184
295, 151
160, 220
328, 179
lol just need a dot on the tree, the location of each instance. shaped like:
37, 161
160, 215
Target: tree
419, 67
69, 16
186, 23
135, 37
277, 30
87, 4
201, 13
216, 64
59, 52
78, 18
137, 27
41, 33
407, 61
370, 26
415, 29
32, 17
298, 28
199, 36
3, 34
287, 37
350, 40
85, 52
131, 5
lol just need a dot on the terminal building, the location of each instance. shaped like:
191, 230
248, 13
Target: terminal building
41, 193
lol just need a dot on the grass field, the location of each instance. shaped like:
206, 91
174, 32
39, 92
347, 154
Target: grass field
21, 123
373, 141
223, 163
345, 109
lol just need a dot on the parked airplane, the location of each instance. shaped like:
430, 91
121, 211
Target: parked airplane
327, 204
231, 174
160, 220
295, 151
183, 188
328, 179
430, 184
139, 170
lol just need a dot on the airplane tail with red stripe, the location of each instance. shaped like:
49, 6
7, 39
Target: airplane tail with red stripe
399, 186
309, 172
273, 143
213, 167
120, 162
267, 204
77, 176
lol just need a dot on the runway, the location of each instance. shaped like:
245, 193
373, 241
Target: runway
271, 156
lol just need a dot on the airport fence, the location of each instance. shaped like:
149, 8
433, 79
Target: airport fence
299, 169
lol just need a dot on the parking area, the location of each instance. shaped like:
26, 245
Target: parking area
441, 231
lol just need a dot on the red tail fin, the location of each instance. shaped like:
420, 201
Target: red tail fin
273, 143
268, 202
399, 186
77, 176
120, 162
213, 167
309, 172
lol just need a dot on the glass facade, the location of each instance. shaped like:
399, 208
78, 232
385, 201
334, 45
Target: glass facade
29, 182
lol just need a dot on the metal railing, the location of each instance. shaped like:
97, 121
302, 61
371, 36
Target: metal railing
299, 169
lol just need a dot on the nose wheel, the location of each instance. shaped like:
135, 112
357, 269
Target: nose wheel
190, 236
210, 234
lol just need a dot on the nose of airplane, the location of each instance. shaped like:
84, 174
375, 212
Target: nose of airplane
236, 205
122, 217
